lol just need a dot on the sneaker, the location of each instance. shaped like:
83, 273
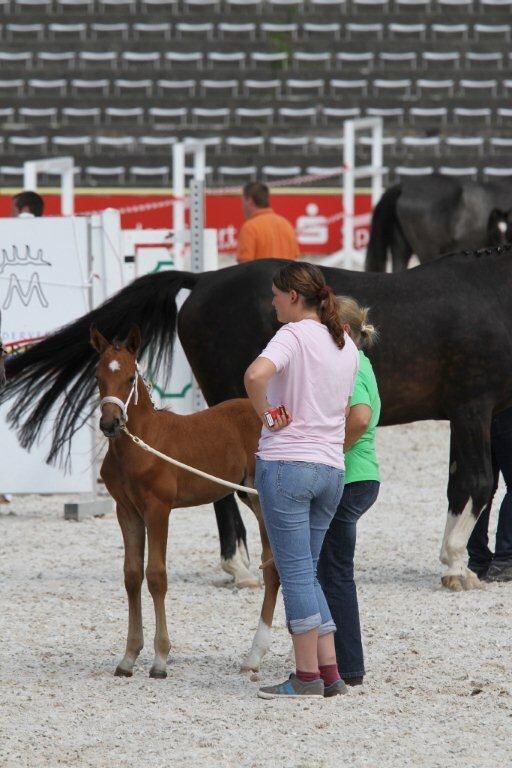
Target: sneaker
335, 689
291, 688
499, 572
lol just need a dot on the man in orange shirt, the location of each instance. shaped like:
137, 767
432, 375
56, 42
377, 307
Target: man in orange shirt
264, 234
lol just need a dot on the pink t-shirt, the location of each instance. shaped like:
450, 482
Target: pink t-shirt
314, 380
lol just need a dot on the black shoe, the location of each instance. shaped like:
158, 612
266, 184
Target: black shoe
498, 572
353, 680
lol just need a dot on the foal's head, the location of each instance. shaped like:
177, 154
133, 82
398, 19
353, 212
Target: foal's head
116, 375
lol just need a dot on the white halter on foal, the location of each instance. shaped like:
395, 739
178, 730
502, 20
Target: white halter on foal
124, 405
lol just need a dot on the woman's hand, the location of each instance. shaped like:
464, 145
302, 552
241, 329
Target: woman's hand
281, 419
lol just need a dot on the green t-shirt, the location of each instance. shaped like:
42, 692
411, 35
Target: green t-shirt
361, 460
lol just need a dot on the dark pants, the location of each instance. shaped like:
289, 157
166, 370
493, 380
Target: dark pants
480, 556
336, 575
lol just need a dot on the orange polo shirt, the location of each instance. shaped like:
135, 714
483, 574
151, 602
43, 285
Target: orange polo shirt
266, 235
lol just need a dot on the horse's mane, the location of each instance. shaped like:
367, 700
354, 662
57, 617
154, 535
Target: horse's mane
61, 368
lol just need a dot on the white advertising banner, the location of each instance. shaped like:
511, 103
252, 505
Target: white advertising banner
44, 284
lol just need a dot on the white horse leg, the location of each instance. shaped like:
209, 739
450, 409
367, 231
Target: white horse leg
453, 551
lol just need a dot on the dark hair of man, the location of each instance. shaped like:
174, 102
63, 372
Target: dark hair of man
258, 193
30, 200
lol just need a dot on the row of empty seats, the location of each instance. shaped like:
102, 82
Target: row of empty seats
197, 60
250, 30
253, 6
406, 87
86, 143
307, 116
97, 174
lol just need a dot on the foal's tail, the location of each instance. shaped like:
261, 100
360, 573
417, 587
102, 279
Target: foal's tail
384, 221
61, 368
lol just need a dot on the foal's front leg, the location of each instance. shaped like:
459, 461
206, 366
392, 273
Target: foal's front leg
157, 525
134, 536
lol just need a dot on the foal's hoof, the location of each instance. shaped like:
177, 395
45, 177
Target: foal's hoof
158, 674
248, 583
120, 672
454, 583
471, 581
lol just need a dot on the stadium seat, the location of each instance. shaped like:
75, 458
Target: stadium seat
489, 172
143, 29
449, 5
109, 143
472, 116
398, 87
295, 85
319, 30
338, 114
407, 59
204, 6
435, 87
252, 114
492, 31
185, 58
280, 171
459, 171
16, 58
176, 86
75, 5
499, 144
413, 31
100, 30
280, 28
127, 6
288, 142
356, 59
6, 113
357, 86
450, 31
173, 115
226, 86
428, 115
470, 87
211, 115
272, 57
230, 58
367, 31
320, 5
150, 172
481, 59
246, 5
230, 29
312, 57
11, 171
405, 171
124, 114
327, 143
496, 5
441, 59
194, 29
76, 31
48, 115
389, 114
32, 5
72, 143
124, 85
148, 6
40, 86
271, 87
416, 145
157, 143
90, 85
99, 58
12, 84
141, 58
14, 31
504, 116
415, 5
245, 143
94, 173
467, 144
56, 58
298, 114
81, 113
246, 172
28, 143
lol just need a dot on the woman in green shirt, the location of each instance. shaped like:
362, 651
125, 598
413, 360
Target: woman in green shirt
362, 482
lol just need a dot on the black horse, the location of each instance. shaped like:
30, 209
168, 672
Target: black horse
431, 216
444, 353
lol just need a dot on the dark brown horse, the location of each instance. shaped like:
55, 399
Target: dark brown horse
221, 441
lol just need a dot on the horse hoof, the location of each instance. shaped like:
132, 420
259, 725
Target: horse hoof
248, 667
249, 583
453, 583
471, 581
120, 672
158, 674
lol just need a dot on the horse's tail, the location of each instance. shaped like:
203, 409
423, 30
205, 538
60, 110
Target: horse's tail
62, 366
381, 235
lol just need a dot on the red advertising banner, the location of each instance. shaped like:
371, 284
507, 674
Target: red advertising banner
316, 214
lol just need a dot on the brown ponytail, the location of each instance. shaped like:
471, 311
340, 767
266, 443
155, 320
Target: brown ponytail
308, 281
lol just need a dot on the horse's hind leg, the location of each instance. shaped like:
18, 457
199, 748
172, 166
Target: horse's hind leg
234, 557
469, 490
157, 524
401, 251
134, 533
261, 641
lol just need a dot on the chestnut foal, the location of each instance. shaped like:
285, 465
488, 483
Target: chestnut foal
221, 441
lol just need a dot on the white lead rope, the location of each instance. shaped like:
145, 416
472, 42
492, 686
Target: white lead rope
177, 463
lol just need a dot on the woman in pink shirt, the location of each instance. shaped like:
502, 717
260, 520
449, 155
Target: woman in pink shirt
309, 367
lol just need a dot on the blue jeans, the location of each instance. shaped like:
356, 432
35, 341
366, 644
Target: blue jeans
480, 556
298, 500
336, 575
